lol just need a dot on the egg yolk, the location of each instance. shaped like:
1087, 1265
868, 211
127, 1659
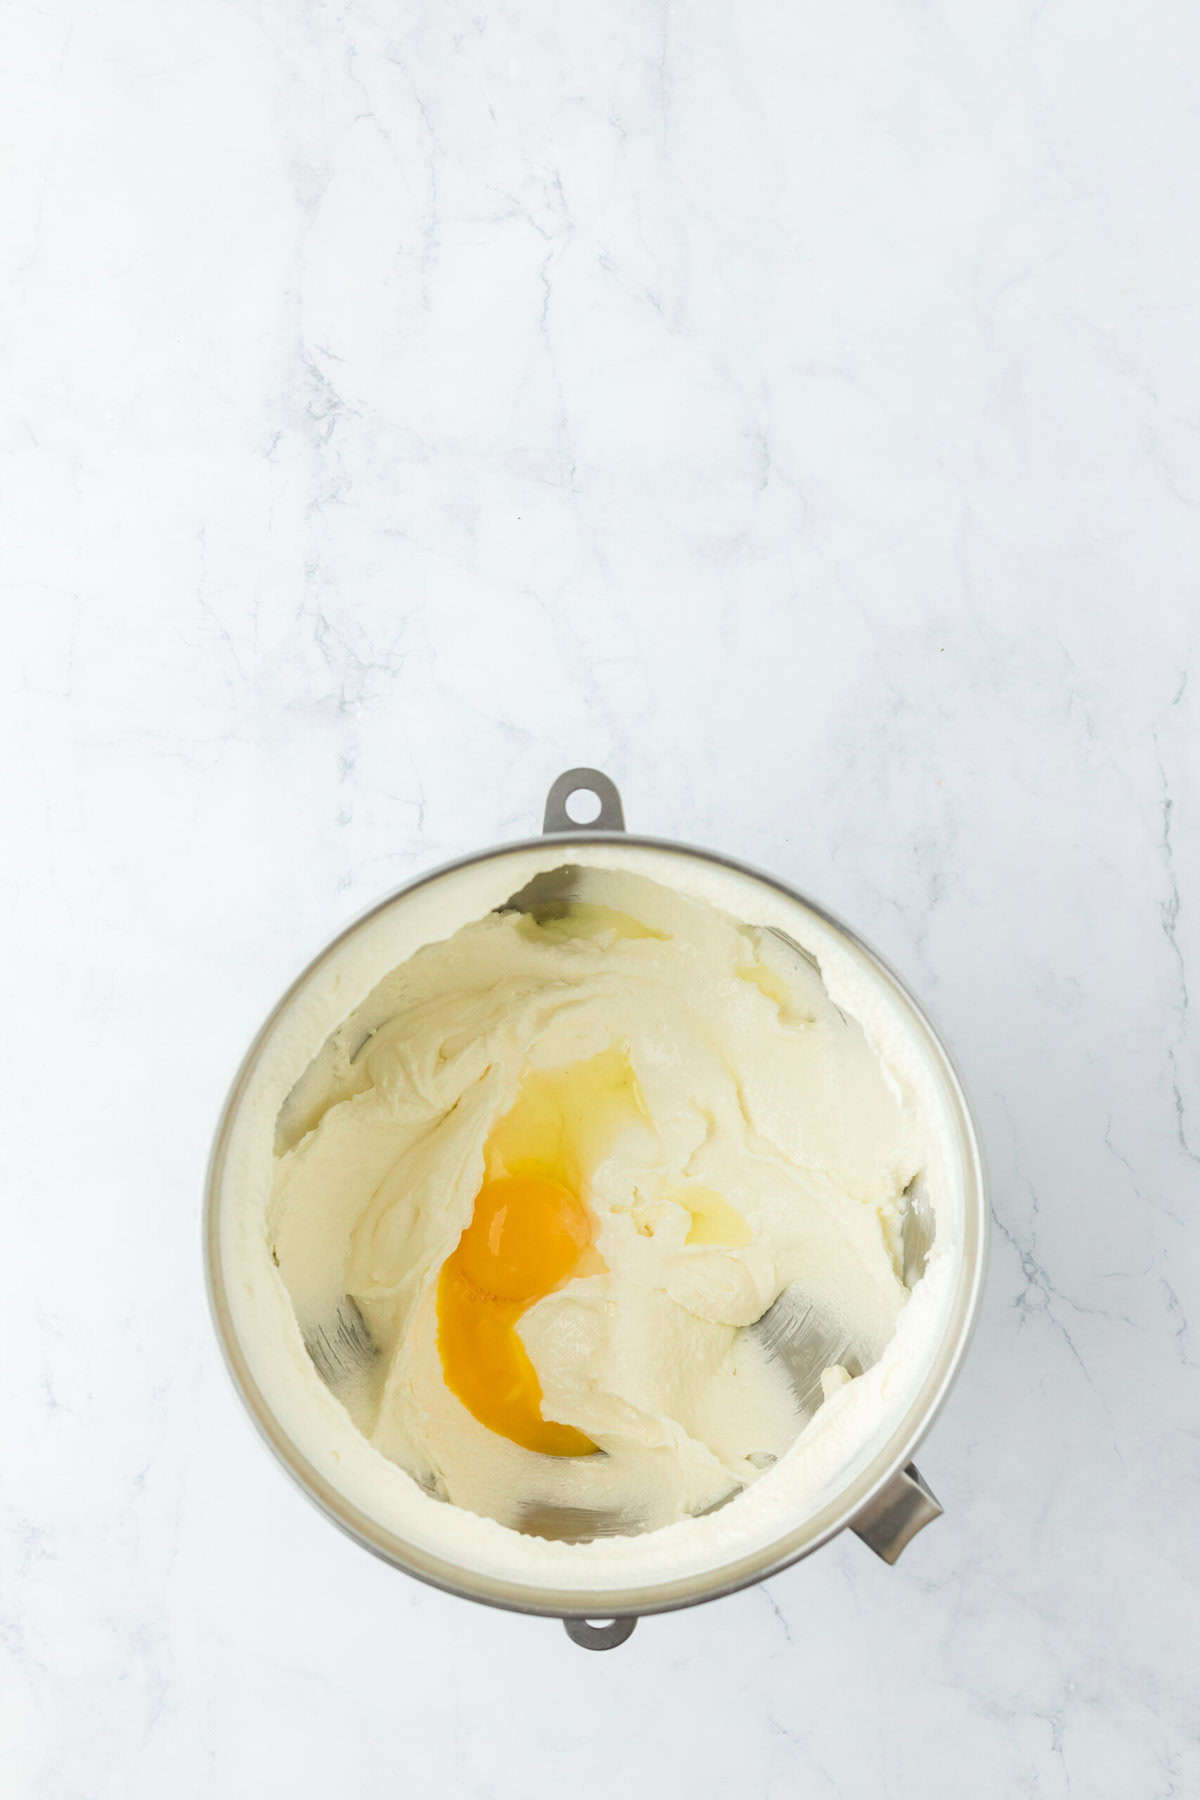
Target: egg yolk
528, 1234
525, 1238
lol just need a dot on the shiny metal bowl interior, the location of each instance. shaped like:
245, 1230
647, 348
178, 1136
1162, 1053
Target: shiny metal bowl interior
853, 1501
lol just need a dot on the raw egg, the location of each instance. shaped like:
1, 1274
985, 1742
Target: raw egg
525, 1238
714, 1221
529, 1233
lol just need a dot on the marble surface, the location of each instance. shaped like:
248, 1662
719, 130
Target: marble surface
794, 411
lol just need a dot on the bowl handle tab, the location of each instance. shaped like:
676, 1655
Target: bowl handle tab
611, 816
896, 1514
599, 1634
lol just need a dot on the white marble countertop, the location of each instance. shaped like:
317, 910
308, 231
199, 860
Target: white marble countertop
795, 412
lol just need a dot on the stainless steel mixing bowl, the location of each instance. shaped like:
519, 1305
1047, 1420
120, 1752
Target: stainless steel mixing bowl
885, 1502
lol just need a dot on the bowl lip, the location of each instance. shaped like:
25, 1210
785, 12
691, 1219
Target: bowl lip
648, 1597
